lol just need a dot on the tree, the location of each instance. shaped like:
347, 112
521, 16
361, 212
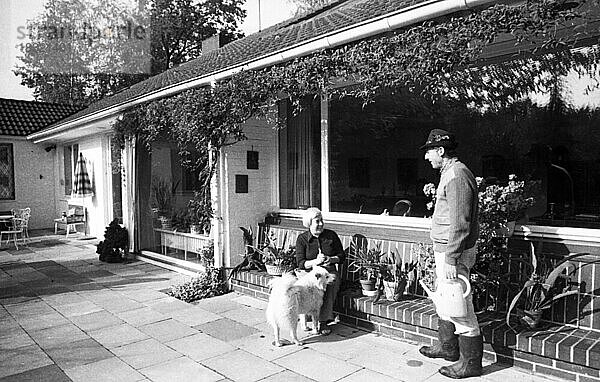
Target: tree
84, 50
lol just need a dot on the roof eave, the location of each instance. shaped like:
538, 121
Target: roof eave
391, 21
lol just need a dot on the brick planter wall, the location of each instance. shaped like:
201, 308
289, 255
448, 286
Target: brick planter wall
560, 351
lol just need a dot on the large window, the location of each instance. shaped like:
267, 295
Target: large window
300, 156
7, 172
549, 136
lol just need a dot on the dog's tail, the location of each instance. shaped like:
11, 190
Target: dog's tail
282, 285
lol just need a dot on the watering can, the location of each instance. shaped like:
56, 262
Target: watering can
449, 298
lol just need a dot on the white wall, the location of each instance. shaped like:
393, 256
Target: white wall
243, 210
34, 182
96, 152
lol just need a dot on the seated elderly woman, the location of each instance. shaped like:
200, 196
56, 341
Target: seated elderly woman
320, 247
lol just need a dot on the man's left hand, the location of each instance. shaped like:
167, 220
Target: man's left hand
450, 271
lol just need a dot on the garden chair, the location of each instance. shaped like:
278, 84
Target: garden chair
14, 228
24, 214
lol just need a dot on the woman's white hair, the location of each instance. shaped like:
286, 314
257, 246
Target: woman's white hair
309, 215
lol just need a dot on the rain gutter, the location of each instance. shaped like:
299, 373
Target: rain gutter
382, 24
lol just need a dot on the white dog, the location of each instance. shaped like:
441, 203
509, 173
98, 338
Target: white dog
292, 297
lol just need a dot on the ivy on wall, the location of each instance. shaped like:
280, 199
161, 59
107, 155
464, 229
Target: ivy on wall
438, 59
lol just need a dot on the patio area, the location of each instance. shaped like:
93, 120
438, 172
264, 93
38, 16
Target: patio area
68, 317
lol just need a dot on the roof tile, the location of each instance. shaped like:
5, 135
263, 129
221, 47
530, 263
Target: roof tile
21, 118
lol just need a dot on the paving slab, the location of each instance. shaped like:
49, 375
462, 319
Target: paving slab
181, 369
118, 335
226, 329
57, 335
19, 360
96, 320
145, 353
241, 366
78, 353
168, 330
50, 373
194, 316
108, 370
317, 366
200, 346
142, 316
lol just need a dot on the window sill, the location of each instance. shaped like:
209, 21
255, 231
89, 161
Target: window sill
573, 235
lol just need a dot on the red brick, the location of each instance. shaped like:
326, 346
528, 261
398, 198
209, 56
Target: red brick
575, 368
514, 362
555, 373
583, 378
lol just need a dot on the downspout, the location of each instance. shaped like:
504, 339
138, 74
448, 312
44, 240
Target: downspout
402, 18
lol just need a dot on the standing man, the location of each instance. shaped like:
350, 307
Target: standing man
454, 232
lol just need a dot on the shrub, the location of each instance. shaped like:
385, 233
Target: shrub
115, 246
207, 284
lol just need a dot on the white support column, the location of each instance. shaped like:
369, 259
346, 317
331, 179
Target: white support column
216, 229
129, 205
324, 153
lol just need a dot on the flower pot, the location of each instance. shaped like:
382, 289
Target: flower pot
529, 318
368, 287
394, 290
275, 270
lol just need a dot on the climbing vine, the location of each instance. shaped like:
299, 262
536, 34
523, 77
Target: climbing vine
438, 59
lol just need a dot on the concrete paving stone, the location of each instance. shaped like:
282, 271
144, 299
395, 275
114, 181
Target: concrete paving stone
246, 315
106, 370
400, 347
181, 369
200, 346
168, 330
249, 301
167, 305
42, 322
317, 366
77, 353
59, 299
31, 276
495, 372
194, 315
339, 347
57, 335
29, 308
15, 361
121, 304
104, 294
226, 329
15, 339
368, 375
9, 325
20, 296
143, 316
50, 373
119, 335
141, 294
241, 366
145, 353
96, 320
286, 376
262, 346
401, 366
217, 304
78, 308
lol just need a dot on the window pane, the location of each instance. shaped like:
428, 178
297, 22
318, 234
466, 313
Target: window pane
7, 184
68, 165
549, 135
300, 157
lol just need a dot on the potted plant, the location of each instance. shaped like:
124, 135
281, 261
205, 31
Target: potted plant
547, 284
425, 263
500, 206
115, 246
252, 260
396, 278
277, 259
163, 200
368, 264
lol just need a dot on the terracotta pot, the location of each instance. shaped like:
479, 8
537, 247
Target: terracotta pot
275, 270
368, 287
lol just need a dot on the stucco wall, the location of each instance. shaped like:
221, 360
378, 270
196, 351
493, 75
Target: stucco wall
247, 209
34, 182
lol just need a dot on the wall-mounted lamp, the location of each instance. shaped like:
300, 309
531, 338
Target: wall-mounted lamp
50, 148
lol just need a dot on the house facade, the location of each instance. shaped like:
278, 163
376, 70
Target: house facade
356, 162
26, 169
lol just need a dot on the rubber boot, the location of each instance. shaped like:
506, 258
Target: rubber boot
469, 364
447, 347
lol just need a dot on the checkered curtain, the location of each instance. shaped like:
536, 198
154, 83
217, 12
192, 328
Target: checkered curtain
83, 185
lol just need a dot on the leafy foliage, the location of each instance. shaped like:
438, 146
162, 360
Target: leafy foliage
368, 262
207, 284
65, 62
281, 255
115, 245
425, 263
